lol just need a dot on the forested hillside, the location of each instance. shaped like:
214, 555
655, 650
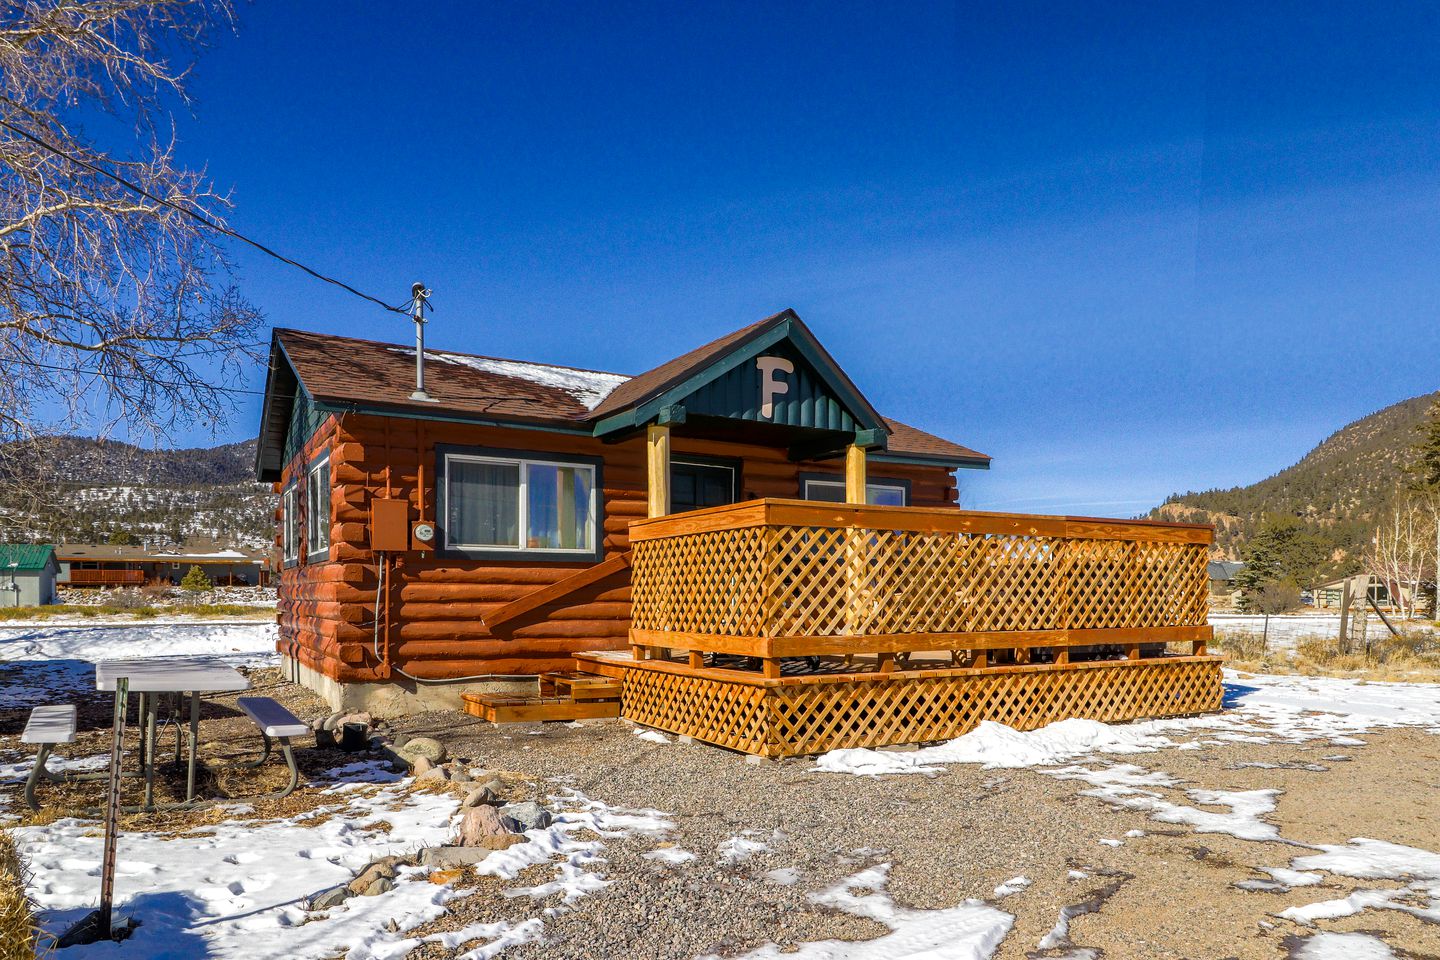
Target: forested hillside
1338, 489
77, 489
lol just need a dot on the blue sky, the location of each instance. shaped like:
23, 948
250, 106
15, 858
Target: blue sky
1124, 249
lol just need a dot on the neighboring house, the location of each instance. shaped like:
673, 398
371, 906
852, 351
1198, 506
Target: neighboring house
1384, 594
109, 565
1222, 576
27, 574
482, 534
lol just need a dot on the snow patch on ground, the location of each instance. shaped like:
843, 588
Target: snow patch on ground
1344, 946
223, 890
972, 930
652, 736
1262, 709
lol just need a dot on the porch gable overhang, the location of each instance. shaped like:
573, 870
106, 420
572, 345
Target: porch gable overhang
802, 388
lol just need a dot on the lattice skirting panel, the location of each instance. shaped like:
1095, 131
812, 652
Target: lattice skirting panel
793, 719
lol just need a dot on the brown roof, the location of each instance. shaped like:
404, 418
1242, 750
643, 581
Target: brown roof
658, 379
348, 370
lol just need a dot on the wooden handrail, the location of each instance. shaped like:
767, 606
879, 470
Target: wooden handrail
811, 513
555, 591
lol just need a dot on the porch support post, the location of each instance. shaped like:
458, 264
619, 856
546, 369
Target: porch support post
657, 456
855, 474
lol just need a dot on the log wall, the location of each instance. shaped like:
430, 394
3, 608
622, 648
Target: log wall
327, 610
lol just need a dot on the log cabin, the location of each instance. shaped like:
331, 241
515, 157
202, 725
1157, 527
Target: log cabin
471, 532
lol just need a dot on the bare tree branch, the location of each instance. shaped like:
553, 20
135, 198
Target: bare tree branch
115, 310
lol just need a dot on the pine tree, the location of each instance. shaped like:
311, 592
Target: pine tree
1426, 469
195, 580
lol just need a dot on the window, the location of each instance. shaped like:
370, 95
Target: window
289, 527
694, 484
317, 511
519, 504
876, 494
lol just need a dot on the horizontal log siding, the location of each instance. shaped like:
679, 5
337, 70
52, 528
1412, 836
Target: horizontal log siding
437, 605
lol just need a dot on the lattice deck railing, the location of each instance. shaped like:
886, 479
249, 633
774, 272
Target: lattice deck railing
777, 578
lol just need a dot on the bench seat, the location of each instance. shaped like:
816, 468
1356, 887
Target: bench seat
50, 725
272, 718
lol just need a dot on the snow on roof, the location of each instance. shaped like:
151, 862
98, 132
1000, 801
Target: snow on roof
588, 387
218, 555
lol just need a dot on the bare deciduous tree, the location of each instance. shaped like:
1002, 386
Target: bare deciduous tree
116, 309
111, 304
1400, 553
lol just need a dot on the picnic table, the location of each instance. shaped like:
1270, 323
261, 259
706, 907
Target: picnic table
152, 677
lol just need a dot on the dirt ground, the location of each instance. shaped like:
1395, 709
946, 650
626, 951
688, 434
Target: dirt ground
1166, 891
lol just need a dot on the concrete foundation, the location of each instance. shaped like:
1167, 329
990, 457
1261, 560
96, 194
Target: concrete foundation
398, 697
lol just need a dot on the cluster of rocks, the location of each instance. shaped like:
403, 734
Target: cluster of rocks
487, 822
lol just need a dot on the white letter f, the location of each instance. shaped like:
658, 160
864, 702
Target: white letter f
771, 386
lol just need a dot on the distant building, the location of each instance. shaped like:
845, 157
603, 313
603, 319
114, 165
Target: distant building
109, 565
1222, 576
27, 574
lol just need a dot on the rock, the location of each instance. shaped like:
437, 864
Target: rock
477, 823
756, 761
433, 775
360, 718
427, 747
333, 897
458, 774
382, 869
478, 797
450, 857
399, 740
495, 785
519, 817
421, 765
331, 722
503, 841
383, 885
317, 724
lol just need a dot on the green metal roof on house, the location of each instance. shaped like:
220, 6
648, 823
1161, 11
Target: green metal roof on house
26, 556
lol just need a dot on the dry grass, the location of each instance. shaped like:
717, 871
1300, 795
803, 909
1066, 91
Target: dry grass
1413, 656
17, 919
142, 612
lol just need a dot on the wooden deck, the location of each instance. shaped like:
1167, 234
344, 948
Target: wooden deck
782, 627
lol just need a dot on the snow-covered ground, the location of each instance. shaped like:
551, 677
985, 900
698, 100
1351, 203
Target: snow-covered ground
59, 657
237, 888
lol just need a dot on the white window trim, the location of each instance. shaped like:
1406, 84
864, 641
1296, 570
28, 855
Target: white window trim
840, 484
522, 524
312, 522
289, 532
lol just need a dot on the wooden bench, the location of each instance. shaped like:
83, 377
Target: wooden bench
275, 722
47, 726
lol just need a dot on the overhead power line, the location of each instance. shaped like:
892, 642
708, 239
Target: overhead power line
196, 216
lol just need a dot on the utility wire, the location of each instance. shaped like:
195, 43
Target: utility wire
87, 371
198, 217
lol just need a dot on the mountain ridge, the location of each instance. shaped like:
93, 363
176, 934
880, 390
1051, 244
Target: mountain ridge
1339, 488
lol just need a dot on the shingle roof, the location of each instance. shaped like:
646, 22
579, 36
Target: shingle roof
25, 556
345, 370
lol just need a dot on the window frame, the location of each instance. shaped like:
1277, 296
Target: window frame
312, 521
735, 465
290, 524
836, 480
444, 453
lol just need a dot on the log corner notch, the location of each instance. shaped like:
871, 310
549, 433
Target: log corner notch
557, 590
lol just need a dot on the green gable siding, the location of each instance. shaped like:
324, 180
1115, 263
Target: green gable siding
808, 403
305, 419
25, 556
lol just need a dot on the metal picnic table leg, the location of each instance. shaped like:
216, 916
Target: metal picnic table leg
194, 746
112, 808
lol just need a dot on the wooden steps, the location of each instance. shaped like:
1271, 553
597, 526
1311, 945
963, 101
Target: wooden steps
563, 696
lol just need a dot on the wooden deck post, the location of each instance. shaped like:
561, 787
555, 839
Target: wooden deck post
657, 459
855, 474
855, 543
